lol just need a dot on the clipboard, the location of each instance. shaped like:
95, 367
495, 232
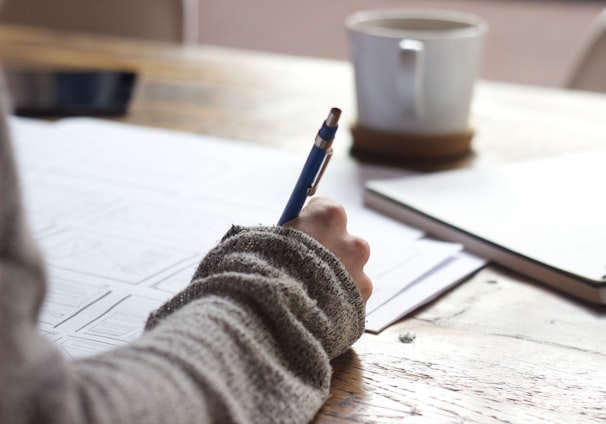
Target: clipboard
543, 218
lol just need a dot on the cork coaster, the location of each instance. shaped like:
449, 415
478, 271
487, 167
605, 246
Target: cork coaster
400, 149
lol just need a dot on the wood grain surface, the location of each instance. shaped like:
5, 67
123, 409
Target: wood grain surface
498, 348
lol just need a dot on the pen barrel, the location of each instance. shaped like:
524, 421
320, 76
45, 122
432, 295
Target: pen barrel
305, 182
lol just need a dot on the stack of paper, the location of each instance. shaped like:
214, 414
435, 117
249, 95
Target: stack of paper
124, 214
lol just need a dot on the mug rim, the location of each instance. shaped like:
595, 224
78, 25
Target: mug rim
475, 25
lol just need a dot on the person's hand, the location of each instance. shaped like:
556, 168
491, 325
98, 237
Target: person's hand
326, 221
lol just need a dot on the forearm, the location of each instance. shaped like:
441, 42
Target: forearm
294, 277
212, 361
284, 306
248, 341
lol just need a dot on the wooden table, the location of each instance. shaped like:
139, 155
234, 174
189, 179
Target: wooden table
498, 348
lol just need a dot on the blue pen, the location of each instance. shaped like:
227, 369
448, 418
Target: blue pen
314, 167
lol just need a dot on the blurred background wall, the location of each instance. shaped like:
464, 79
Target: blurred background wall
529, 41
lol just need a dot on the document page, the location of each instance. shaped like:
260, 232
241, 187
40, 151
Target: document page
123, 214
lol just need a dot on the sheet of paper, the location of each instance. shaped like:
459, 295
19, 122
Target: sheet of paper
123, 214
419, 259
423, 290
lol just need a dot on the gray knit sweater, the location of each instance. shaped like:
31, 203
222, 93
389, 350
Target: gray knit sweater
249, 340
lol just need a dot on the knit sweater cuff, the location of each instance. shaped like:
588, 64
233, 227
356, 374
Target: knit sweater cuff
296, 277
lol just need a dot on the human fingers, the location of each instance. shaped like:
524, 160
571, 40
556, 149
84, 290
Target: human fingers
326, 221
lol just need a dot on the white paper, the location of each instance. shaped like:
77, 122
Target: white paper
123, 214
423, 290
414, 262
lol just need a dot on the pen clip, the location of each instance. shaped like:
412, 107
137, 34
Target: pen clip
312, 190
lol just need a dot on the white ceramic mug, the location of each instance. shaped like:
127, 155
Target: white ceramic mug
415, 70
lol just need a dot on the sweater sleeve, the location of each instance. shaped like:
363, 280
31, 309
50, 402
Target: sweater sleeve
249, 340
295, 280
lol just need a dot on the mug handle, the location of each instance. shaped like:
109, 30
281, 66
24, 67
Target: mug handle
410, 80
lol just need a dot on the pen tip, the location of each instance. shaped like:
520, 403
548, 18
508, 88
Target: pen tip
333, 117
